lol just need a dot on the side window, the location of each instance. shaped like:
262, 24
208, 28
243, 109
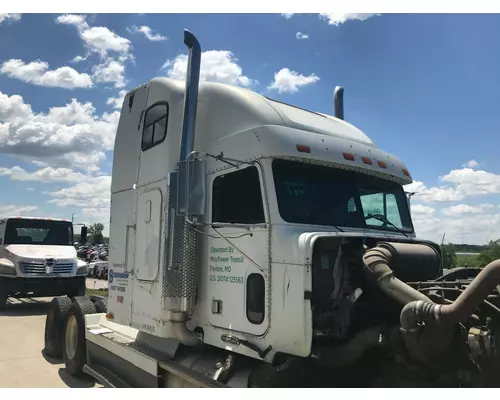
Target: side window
237, 198
155, 125
256, 298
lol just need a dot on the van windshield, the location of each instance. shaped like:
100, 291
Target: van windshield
34, 231
317, 195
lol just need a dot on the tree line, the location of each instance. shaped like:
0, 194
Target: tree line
94, 235
487, 254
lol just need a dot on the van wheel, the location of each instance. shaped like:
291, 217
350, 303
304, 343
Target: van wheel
54, 326
74, 349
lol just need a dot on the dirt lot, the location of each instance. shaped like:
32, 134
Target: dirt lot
22, 364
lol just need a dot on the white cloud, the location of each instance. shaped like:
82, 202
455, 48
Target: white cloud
147, 32
457, 185
287, 81
38, 73
98, 39
47, 174
471, 164
301, 36
463, 222
287, 16
340, 18
77, 59
92, 196
73, 19
7, 210
111, 71
461, 209
101, 39
117, 101
12, 17
216, 66
69, 136
93, 192
472, 228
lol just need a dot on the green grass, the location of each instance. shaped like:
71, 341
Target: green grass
97, 292
471, 261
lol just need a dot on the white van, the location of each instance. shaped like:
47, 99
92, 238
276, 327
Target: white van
38, 259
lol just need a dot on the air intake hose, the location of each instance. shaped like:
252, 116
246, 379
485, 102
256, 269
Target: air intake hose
463, 307
377, 261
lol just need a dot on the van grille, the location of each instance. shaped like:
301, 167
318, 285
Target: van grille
39, 268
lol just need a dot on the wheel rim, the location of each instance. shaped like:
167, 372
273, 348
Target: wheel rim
49, 328
71, 339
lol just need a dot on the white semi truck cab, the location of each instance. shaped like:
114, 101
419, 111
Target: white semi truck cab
254, 243
38, 259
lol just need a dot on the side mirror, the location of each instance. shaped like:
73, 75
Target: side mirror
83, 234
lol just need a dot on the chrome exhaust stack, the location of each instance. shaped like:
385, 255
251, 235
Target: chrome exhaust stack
186, 193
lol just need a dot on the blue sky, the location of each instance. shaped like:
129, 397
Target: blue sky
422, 86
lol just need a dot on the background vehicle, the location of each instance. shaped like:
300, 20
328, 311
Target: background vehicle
37, 258
266, 245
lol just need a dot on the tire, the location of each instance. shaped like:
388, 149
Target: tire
3, 294
79, 291
54, 326
100, 304
74, 348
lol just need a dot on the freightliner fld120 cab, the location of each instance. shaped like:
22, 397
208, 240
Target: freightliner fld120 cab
258, 244
38, 259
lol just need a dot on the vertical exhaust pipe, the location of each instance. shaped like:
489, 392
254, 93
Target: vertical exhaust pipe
338, 101
183, 285
191, 94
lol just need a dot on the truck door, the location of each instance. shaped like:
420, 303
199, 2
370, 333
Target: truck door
238, 255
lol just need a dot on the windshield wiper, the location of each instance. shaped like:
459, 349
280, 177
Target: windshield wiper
382, 218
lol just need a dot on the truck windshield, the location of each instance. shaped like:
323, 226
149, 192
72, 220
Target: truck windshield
317, 195
34, 231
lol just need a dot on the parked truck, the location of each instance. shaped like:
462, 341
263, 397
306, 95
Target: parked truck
38, 259
258, 244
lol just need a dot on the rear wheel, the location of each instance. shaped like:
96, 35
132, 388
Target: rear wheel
54, 326
100, 304
74, 349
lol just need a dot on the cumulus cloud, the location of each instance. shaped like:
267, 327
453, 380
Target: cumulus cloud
9, 17
461, 209
147, 32
73, 135
47, 174
97, 39
111, 71
457, 185
117, 101
216, 66
7, 210
287, 81
38, 73
301, 36
471, 164
92, 196
340, 18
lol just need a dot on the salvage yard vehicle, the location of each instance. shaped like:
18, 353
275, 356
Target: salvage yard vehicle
257, 244
38, 259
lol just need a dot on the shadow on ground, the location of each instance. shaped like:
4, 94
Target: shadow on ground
24, 307
72, 382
